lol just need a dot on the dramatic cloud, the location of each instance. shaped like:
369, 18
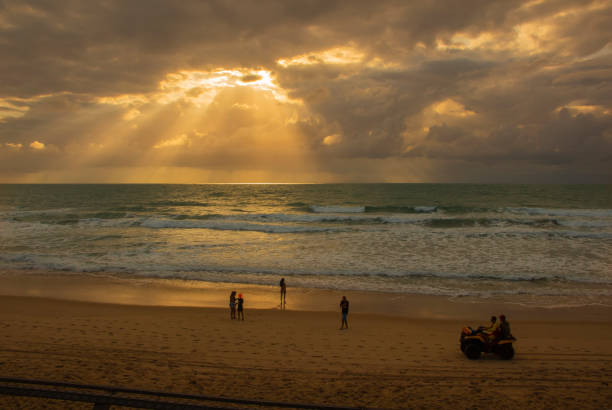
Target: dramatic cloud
309, 91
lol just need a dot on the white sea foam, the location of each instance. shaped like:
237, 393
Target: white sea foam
425, 209
591, 213
229, 226
582, 223
337, 209
329, 218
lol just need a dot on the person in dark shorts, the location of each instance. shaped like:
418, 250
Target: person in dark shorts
240, 302
283, 291
344, 305
232, 305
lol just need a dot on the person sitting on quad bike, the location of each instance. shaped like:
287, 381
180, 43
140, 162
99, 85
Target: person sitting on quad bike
504, 328
493, 339
492, 330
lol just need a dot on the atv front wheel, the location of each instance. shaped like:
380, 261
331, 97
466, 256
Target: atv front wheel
506, 352
472, 351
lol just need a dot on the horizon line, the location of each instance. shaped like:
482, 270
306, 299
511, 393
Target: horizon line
304, 183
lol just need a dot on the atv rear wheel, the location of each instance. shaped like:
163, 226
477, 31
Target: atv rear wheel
472, 351
506, 352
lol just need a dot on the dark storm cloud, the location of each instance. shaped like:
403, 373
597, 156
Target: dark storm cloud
450, 85
117, 47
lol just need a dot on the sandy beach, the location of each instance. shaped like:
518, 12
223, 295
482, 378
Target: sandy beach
401, 351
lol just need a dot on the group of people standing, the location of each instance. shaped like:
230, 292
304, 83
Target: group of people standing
236, 304
497, 327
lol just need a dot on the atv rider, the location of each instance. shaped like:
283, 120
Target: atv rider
492, 331
504, 328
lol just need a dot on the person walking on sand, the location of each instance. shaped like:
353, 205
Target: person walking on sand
232, 305
240, 302
344, 305
283, 291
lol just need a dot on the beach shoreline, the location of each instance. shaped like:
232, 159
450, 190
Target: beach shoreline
109, 288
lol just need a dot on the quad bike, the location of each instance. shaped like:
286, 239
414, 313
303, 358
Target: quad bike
474, 342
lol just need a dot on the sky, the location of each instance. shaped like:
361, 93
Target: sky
305, 91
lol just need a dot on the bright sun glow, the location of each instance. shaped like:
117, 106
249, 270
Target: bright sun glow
337, 55
199, 88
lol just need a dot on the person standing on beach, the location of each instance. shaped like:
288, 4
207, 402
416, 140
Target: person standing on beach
283, 290
232, 305
240, 302
344, 305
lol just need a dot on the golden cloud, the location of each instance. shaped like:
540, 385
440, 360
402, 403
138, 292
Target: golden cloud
332, 139
10, 110
336, 55
37, 145
178, 141
452, 108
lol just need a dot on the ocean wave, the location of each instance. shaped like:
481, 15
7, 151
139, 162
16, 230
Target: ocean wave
541, 234
229, 226
17, 212
488, 222
104, 215
461, 209
387, 209
590, 213
368, 280
307, 222
312, 218
332, 209
512, 277
458, 222
179, 203
202, 216
104, 238
299, 206
401, 209
134, 208
581, 223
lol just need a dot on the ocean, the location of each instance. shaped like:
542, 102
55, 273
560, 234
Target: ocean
532, 243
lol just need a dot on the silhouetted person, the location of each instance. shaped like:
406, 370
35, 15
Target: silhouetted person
232, 305
504, 328
344, 305
283, 293
240, 302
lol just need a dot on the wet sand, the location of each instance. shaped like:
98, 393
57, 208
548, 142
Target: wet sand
400, 352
